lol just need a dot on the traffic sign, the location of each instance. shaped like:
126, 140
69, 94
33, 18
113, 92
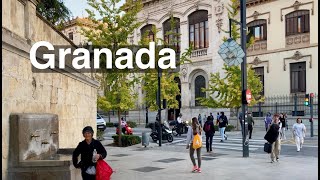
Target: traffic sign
248, 96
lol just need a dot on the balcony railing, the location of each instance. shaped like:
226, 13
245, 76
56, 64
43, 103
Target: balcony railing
199, 52
298, 40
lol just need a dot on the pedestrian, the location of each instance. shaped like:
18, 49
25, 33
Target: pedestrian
241, 121
211, 116
193, 130
273, 137
200, 120
299, 132
250, 124
223, 122
218, 115
179, 124
267, 120
209, 130
91, 151
283, 126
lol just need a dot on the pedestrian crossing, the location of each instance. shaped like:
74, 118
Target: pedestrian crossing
234, 144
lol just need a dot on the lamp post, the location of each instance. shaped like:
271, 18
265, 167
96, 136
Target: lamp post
245, 143
159, 105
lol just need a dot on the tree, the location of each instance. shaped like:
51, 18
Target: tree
112, 30
226, 91
169, 87
54, 11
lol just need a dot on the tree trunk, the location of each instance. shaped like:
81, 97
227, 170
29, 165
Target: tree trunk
119, 128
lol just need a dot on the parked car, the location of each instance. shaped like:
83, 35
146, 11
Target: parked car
101, 123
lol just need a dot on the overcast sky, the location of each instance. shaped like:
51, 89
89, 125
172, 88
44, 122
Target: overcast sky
77, 7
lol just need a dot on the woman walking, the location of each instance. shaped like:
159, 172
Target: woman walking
267, 121
91, 151
273, 137
193, 130
299, 131
283, 124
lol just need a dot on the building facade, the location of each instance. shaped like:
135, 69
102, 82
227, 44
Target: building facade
284, 54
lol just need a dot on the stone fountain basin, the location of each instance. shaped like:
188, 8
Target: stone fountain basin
57, 160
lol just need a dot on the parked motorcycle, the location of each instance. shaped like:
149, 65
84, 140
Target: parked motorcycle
166, 133
125, 130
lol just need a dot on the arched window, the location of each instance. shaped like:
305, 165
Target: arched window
297, 22
258, 29
171, 33
199, 29
147, 32
199, 83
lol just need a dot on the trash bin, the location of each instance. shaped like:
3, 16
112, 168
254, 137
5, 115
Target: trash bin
145, 139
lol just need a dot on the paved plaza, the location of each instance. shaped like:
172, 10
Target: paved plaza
171, 160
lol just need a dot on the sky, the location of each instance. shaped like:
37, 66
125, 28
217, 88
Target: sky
77, 7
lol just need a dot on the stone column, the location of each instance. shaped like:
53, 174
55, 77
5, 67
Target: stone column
184, 30
30, 19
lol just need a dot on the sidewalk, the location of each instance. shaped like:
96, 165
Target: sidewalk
136, 162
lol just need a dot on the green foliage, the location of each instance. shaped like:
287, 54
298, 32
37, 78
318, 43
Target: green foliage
54, 11
112, 30
226, 90
127, 140
109, 124
131, 124
169, 87
99, 134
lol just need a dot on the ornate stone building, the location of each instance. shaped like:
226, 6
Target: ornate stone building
284, 54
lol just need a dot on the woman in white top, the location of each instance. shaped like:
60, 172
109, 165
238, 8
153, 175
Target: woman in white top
299, 131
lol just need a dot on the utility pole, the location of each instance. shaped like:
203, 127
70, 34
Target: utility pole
159, 106
245, 142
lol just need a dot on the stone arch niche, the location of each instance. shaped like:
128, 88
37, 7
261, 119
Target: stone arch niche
198, 78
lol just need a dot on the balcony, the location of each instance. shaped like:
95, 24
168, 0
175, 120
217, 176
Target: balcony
298, 40
199, 52
257, 47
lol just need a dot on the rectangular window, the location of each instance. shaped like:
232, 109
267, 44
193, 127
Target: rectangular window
298, 77
206, 34
196, 36
257, 33
201, 42
71, 35
299, 24
191, 38
260, 72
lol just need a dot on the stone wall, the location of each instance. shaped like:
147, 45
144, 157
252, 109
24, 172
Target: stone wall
71, 96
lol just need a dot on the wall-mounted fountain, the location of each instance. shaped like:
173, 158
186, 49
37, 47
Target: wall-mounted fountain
33, 147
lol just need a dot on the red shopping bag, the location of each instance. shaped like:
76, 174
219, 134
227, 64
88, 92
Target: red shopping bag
103, 170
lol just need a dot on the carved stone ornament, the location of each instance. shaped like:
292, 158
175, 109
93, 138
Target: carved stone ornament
197, 5
256, 61
219, 23
184, 72
219, 9
296, 5
297, 55
255, 15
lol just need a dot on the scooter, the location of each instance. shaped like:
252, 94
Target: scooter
166, 134
125, 130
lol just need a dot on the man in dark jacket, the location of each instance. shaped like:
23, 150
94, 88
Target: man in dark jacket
223, 122
86, 149
209, 130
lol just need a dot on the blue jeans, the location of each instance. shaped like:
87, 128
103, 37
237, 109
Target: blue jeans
221, 130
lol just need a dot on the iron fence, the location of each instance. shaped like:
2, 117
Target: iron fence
290, 104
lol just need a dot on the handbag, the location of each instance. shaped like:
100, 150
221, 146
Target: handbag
197, 142
267, 147
104, 171
91, 170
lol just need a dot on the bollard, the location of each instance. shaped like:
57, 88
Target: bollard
145, 139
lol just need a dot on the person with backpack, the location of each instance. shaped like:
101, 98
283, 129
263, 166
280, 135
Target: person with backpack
193, 131
273, 137
223, 122
209, 130
91, 151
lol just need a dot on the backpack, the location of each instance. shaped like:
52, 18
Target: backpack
207, 127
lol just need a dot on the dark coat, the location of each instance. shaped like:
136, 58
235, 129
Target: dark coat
272, 134
212, 130
86, 151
